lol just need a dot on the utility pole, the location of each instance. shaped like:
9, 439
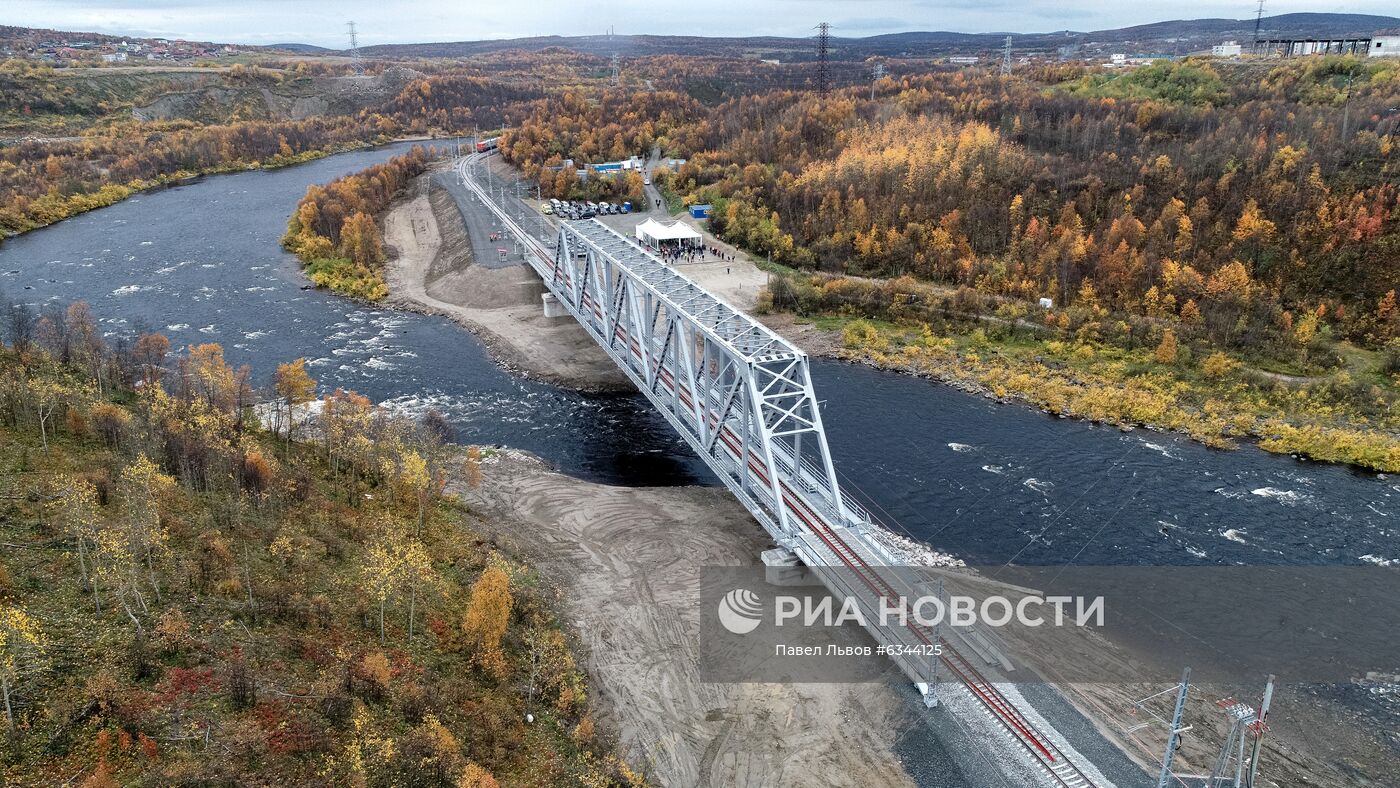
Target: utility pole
823, 52
1258, 21
1006, 58
877, 75
354, 48
1259, 735
1174, 727
1175, 730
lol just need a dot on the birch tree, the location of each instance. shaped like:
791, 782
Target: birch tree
395, 563
143, 489
20, 639
486, 619
78, 515
294, 387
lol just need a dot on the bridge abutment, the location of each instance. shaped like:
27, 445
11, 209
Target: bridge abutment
552, 307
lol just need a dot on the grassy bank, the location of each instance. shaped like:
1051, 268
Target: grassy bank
190, 597
55, 207
1346, 415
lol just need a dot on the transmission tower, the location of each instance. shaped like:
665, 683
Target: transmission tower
875, 76
1006, 58
1258, 21
616, 70
823, 65
354, 47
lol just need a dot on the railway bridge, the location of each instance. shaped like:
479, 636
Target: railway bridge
741, 396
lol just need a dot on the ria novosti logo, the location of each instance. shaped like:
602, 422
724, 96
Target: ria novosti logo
740, 611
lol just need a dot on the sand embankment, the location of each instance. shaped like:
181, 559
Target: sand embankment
628, 563
432, 268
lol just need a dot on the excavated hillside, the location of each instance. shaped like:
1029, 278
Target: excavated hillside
296, 99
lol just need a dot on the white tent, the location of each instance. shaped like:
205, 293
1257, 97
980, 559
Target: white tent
654, 233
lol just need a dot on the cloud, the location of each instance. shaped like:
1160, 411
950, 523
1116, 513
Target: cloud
882, 24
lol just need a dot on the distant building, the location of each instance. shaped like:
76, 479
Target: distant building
963, 61
1120, 60
1227, 49
1295, 47
114, 57
1384, 46
769, 61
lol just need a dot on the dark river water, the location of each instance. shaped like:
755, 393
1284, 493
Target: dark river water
990, 483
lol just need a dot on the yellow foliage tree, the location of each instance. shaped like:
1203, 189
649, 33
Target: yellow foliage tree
1252, 225
137, 537
294, 387
19, 638
77, 514
488, 614
1166, 349
1190, 313
395, 563
416, 482
477, 777
360, 241
1305, 329
1217, 365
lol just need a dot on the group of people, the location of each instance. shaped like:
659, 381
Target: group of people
693, 254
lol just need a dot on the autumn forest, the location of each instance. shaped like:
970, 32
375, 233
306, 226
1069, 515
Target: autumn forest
208, 578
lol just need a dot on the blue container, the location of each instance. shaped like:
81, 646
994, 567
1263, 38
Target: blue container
700, 211
627, 207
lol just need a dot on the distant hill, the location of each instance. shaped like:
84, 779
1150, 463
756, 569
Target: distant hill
1179, 36
1174, 37
302, 49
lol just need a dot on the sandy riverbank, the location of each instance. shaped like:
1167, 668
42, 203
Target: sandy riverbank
627, 561
432, 269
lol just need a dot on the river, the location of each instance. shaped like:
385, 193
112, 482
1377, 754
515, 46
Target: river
985, 481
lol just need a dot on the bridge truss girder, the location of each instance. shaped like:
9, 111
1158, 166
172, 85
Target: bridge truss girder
728, 384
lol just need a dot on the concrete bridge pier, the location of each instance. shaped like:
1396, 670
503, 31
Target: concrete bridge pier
552, 307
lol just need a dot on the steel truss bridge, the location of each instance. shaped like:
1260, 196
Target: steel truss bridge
741, 396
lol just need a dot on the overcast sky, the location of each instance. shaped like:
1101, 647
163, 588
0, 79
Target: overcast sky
322, 22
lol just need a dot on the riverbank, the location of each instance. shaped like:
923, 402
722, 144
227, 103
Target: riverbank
432, 268
627, 564
113, 193
1342, 419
